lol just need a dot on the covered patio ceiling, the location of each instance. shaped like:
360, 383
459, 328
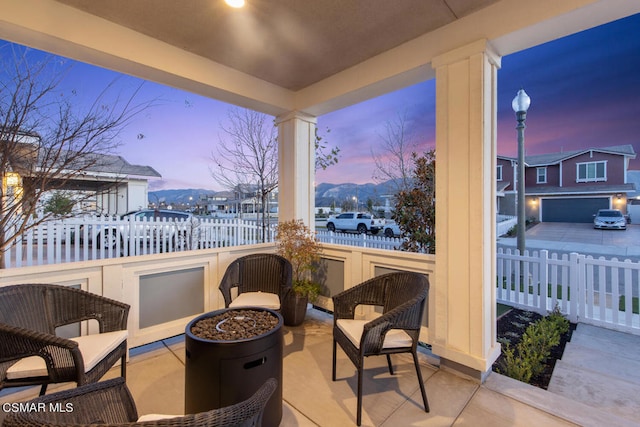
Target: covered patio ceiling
277, 56
289, 43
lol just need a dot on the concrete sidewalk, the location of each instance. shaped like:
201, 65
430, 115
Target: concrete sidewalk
600, 368
581, 238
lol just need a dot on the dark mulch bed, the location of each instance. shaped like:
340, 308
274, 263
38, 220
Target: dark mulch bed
511, 326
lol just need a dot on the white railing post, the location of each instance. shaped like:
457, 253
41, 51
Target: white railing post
628, 294
576, 280
543, 269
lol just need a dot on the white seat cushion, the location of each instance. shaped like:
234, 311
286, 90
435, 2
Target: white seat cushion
257, 299
94, 348
156, 417
395, 338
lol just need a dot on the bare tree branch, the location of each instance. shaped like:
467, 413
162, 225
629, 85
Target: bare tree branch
393, 156
248, 160
46, 138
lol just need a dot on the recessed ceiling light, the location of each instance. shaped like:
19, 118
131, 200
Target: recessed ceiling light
235, 3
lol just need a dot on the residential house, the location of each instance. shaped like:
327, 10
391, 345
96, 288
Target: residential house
505, 185
298, 63
568, 186
100, 183
633, 197
118, 185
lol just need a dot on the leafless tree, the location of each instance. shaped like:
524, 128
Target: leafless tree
393, 161
247, 162
49, 138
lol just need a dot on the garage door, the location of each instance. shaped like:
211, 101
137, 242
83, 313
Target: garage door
572, 209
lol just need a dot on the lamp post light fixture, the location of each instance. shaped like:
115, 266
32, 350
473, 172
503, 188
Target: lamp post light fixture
520, 105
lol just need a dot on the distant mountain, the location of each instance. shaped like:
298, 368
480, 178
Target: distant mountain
326, 194
172, 197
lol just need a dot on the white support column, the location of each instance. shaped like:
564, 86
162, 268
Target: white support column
464, 334
296, 167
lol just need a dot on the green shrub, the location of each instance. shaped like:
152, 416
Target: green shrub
558, 319
528, 358
514, 366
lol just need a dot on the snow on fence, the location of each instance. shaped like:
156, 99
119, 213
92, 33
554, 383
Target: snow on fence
599, 291
100, 237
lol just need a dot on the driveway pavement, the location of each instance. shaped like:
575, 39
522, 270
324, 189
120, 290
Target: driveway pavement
582, 238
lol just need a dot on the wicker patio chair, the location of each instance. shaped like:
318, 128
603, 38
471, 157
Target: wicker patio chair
402, 297
32, 354
109, 403
261, 280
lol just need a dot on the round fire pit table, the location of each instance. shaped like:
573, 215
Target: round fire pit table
230, 353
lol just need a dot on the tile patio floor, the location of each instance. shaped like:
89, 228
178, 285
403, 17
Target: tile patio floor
155, 376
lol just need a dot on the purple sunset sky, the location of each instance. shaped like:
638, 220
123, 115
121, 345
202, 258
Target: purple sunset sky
584, 93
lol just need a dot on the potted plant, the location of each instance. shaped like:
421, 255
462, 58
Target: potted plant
297, 243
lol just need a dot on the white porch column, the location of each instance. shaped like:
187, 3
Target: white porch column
464, 334
296, 167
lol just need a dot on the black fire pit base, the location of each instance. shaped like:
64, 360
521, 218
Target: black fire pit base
220, 373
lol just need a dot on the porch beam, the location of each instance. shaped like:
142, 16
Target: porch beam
296, 167
464, 334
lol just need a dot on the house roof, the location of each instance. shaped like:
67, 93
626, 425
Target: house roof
586, 189
555, 158
107, 165
502, 185
117, 165
85, 163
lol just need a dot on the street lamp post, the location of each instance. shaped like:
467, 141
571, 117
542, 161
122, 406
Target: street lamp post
520, 105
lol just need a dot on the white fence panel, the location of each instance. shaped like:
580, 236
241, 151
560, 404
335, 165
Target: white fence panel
101, 237
504, 223
603, 292
362, 240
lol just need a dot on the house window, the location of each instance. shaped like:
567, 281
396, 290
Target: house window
499, 173
541, 176
592, 171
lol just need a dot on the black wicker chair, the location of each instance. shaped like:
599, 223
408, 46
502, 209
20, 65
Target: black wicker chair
260, 277
32, 354
109, 403
402, 297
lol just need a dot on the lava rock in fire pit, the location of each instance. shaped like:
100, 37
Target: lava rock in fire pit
235, 325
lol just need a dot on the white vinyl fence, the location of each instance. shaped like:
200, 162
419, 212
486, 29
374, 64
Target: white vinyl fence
603, 292
100, 237
599, 291
362, 240
505, 223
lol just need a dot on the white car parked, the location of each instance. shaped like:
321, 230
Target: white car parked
610, 219
392, 229
146, 226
